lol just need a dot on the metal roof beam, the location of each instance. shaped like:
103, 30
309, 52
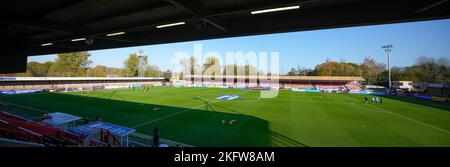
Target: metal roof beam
197, 10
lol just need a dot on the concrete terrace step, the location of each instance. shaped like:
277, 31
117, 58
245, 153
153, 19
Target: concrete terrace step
138, 138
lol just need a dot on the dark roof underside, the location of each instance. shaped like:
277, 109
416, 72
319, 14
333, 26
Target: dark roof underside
25, 25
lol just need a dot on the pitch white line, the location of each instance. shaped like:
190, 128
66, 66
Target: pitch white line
408, 118
404, 117
31, 108
171, 115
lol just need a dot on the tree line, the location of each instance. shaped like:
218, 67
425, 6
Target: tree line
424, 70
77, 64
213, 66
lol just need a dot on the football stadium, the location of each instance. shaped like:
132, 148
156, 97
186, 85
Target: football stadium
302, 115
308, 73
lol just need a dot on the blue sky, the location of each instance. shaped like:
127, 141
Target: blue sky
307, 48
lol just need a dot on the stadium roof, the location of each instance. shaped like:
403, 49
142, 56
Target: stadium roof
54, 26
292, 78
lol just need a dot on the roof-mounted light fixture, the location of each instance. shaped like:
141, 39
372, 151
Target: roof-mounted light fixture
275, 9
115, 34
170, 25
46, 44
78, 39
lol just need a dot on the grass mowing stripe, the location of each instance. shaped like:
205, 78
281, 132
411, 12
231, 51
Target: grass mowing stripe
315, 119
174, 114
402, 116
408, 118
168, 116
43, 111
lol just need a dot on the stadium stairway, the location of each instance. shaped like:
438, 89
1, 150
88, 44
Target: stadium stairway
345, 87
18, 128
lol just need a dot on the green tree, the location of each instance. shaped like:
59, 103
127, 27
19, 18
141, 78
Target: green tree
37, 69
211, 65
332, 68
190, 65
153, 71
71, 64
233, 69
428, 70
98, 71
369, 70
132, 64
292, 72
230, 69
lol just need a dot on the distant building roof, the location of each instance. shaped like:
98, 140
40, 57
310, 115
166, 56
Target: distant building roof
58, 118
96, 126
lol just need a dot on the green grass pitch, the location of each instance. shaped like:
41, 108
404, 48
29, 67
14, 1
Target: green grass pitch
194, 116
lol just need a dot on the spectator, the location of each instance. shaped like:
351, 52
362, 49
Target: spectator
156, 136
86, 120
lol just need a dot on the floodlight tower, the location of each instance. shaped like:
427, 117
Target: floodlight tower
388, 49
141, 63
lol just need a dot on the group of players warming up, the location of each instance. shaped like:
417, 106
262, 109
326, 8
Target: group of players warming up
375, 100
145, 88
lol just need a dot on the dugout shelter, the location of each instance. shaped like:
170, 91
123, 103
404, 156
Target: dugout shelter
61, 120
100, 133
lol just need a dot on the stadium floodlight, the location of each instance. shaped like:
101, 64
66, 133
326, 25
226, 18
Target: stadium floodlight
115, 34
141, 64
46, 44
78, 39
275, 9
170, 25
388, 49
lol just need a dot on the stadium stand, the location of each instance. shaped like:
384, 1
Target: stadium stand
18, 128
353, 86
299, 85
72, 83
59, 129
284, 82
331, 86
